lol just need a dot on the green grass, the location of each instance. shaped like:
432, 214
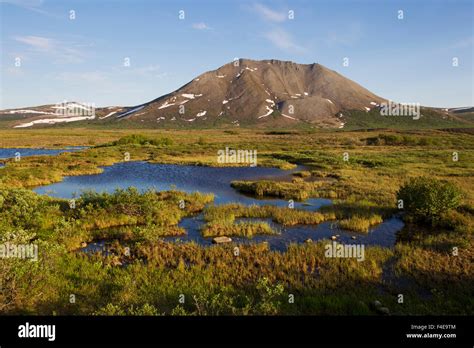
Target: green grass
430, 119
125, 214
284, 216
241, 229
360, 223
298, 190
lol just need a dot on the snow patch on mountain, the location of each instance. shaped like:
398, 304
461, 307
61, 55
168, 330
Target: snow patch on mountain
108, 115
166, 105
29, 112
55, 120
269, 112
190, 95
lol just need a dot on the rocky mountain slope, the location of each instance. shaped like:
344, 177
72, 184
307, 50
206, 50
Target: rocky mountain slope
250, 92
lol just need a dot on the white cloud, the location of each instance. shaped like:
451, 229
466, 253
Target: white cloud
70, 55
283, 40
61, 52
269, 14
36, 42
24, 3
201, 26
31, 5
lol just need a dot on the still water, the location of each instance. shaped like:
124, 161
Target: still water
144, 175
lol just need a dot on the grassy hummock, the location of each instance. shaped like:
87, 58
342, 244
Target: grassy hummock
360, 223
240, 229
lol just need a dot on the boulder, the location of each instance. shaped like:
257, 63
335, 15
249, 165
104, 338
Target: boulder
222, 239
377, 304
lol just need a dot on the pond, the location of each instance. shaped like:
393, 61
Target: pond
383, 234
144, 175
6, 153
26, 152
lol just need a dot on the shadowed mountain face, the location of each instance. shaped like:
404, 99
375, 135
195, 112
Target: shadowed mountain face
259, 92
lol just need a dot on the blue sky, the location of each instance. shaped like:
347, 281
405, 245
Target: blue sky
82, 59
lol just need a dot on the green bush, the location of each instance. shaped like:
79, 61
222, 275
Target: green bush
399, 140
426, 199
138, 139
270, 296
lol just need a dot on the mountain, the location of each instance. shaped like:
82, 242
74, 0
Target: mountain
247, 93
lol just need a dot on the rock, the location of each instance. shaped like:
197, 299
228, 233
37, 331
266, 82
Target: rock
220, 240
377, 304
383, 310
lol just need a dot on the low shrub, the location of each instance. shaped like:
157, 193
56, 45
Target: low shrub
425, 199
